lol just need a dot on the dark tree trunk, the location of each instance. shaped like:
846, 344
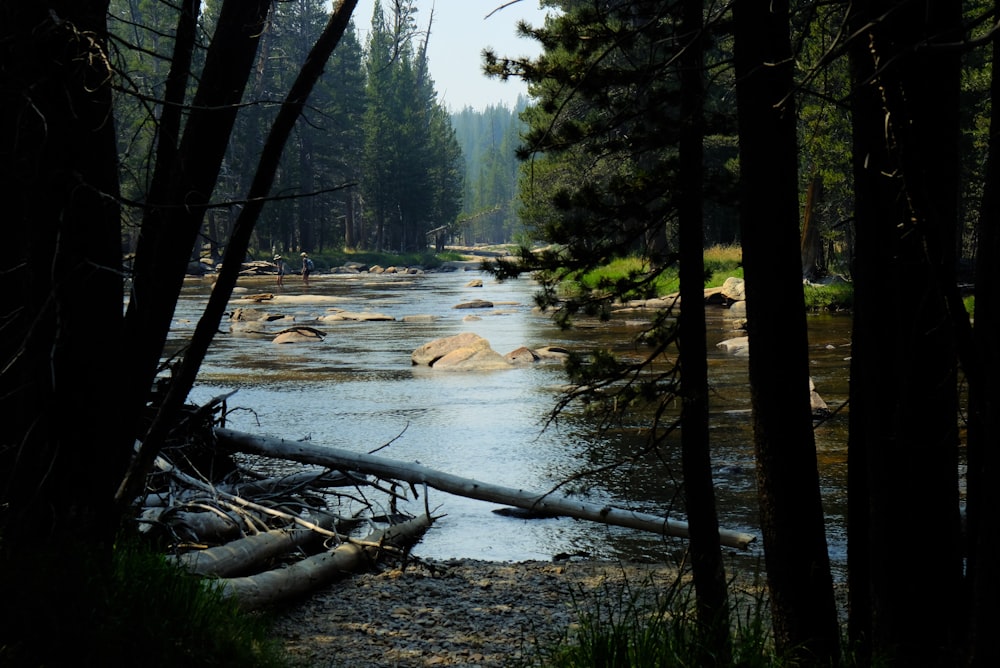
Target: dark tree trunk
903, 431
983, 494
798, 569
62, 316
706, 555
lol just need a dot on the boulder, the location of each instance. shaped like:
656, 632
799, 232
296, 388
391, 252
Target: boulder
739, 346
737, 310
471, 359
816, 402
475, 283
555, 353
475, 303
248, 315
364, 316
733, 289
299, 335
522, 355
431, 352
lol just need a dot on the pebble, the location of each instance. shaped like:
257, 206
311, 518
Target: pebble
449, 613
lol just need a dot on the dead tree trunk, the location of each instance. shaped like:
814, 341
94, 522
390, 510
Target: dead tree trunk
474, 489
256, 591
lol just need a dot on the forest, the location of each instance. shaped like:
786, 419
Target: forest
854, 138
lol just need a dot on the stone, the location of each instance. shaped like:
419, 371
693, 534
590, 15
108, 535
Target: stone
432, 351
475, 283
298, 336
522, 355
469, 359
739, 346
475, 303
734, 289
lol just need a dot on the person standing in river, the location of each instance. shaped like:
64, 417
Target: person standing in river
307, 268
282, 269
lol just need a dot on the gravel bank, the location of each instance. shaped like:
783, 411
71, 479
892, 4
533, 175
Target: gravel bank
452, 613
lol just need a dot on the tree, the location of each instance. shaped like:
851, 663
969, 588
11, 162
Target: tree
903, 431
983, 458
77, 372
696, 461
65, 441
620, 125
804, 615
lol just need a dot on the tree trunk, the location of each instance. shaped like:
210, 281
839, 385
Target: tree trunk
257, 591
798, 568
699, 493
415, 473
983, 497
60, 379
903, 431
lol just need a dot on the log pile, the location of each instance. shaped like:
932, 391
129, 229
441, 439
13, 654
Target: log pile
265, 538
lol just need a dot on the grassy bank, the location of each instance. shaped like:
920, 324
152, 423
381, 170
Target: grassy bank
721, 262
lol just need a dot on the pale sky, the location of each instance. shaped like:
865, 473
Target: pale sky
458, 37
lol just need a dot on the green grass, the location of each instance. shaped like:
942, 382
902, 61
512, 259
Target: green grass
143, 611
721, 262
837, 296
619, 627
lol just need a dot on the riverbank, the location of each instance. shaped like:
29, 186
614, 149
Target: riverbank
455, 612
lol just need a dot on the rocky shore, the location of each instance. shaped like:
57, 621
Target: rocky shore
453, 613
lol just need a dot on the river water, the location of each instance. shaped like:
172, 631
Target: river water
357, 390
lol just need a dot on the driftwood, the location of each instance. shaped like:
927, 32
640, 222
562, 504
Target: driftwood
240, 555
418, 474
266, 588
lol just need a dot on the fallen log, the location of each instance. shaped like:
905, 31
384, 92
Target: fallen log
415, 473
256, 591
240, 556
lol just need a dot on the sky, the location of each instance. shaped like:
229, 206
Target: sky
458, 37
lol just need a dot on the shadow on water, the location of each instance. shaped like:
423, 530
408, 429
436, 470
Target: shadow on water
357, 390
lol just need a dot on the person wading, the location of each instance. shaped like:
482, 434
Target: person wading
307, 268
282, 269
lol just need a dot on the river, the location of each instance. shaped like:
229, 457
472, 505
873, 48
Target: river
358, 390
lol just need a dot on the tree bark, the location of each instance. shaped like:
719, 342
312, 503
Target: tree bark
983, 452
59, 373
903, 455
798, 568
696, 461
418, 474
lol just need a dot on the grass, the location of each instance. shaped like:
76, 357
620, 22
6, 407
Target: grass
622, 626
144, 611
721, 262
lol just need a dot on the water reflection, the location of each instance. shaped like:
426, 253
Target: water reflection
357, 390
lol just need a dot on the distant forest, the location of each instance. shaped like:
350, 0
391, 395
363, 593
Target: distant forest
376, 165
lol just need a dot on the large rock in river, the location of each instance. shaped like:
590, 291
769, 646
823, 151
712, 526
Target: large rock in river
463, 351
